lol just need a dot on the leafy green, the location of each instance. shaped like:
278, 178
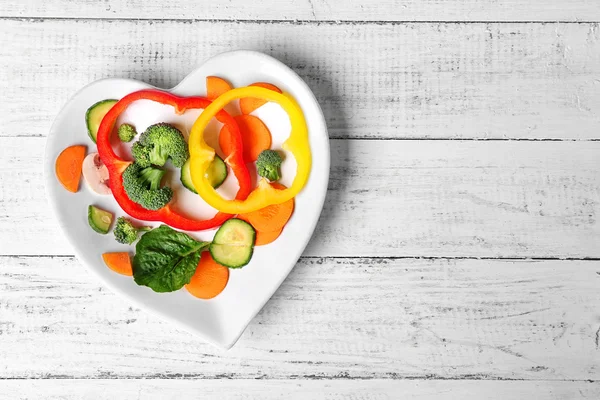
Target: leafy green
166, 259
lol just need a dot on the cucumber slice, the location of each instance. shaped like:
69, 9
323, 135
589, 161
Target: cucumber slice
99, 219
233, 243
216, 173
235, 232
94, 115
231, 256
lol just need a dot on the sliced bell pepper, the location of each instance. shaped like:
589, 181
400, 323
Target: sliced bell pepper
116, 165
201, 154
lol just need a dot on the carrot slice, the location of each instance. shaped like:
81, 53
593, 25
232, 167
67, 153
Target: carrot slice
271, 218
118, 262
216, 86
68, 167
263, 238
209, 279
249, 104
243, 218
256, 137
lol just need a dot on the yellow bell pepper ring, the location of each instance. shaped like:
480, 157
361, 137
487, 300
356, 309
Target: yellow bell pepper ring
201, 154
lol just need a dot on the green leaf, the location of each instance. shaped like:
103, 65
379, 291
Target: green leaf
166, 259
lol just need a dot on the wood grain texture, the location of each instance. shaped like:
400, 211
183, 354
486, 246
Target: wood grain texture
372, 389
393, 198
312, 10
430, 80
345, 325
332, 318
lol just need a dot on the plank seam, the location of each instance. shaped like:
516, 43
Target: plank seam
339, 377
292, 22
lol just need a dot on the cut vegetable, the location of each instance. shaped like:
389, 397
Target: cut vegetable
256, 137
94, 115
96, 174
165, 259
210, 278
273, 217
233, 243
263, 238
118, 262
68, 167
126, 133
231, 256
216, 174
243, 218
216, 86
117, 165
249, 104
235, 232
267, 165
99, 219
201, 154
125, 232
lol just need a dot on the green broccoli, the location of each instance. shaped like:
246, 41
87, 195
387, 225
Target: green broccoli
142, 186
268, 164
158, 143
125, 232
126, 132
141, 155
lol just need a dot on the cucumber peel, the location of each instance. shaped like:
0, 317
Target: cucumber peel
99, 219
95, 114
216, 174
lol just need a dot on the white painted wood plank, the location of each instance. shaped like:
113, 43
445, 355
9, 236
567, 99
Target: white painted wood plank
393, 198
332, 318
313, 10
519, 81
149, 389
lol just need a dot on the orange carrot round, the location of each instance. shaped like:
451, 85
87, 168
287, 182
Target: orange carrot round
209, 279
119, 262
249, 104
68, 167
243, 218
216, 86
263, 238
256, 137
273, 217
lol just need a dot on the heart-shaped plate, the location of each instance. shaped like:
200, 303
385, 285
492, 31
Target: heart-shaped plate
219, 321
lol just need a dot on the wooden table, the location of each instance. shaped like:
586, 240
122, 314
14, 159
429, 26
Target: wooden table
458, 254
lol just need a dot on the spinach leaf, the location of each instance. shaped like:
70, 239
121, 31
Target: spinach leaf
166, 259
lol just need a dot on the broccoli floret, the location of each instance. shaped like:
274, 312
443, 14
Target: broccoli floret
143, 186
125, 232
158, 143
268, 164
126, 133
141, 154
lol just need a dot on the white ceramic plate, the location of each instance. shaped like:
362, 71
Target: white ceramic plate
222, 320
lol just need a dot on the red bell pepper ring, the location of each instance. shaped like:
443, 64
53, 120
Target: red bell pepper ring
116, 165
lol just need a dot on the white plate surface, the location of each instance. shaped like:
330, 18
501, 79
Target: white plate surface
222, 320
